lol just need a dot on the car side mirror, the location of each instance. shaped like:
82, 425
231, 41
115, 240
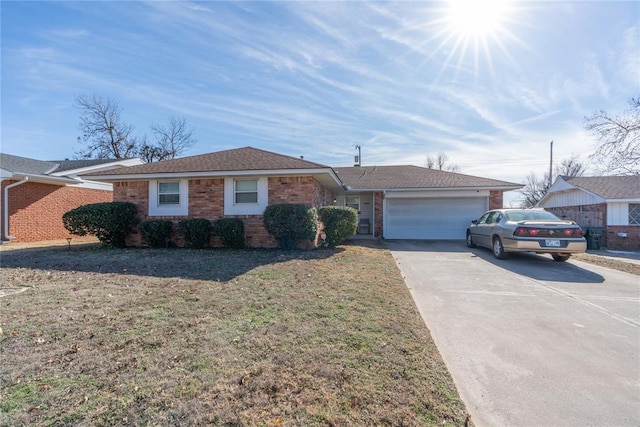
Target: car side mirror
474, 222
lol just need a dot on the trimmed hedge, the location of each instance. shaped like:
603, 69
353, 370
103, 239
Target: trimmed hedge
156, 232
340, 223
230, 231
290, 223
110, 222
196, 231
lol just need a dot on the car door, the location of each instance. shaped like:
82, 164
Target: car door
479, 231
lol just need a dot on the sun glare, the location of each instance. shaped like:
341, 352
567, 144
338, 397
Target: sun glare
472, 32
473, 18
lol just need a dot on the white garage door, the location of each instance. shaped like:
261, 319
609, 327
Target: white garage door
431, 218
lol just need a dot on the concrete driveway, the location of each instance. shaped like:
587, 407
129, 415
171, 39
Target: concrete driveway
529, 341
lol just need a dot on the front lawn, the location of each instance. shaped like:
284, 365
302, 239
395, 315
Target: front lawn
216, 337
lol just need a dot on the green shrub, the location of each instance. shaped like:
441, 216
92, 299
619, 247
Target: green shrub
196, 232
156, 233
110, 222
230, 231
340, 223
289, 224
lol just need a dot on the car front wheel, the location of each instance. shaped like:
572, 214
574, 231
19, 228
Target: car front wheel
560, 258
470, 243
498, 249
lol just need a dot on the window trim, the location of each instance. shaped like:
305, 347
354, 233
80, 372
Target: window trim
233, 208
170, 209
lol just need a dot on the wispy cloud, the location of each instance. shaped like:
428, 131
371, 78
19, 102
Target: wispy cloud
317, 78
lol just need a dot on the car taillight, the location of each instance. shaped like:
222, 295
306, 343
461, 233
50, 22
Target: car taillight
521, 231
524, 231
576, 232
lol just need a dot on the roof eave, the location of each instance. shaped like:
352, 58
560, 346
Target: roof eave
45, 179
210, 174
501, 187
624, 200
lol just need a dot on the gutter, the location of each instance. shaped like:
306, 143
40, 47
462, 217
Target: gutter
6, 205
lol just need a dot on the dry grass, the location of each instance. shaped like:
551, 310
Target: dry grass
609, 262
215, 337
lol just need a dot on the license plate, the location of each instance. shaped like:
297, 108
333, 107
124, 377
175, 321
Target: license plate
553, 243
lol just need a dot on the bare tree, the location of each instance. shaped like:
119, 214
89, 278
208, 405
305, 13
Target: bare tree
535, 189
103, 131
170, 141
618, 137
107, 136
430, 162
571, 167
440, 163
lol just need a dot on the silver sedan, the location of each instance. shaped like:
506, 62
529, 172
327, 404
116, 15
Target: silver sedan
526, 230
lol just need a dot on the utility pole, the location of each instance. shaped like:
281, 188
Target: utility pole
551, 164
358, 158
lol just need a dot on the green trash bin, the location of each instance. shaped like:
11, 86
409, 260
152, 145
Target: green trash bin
594, 234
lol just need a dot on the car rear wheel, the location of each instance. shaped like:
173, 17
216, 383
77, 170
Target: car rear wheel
560, 258
498, 249
470, 243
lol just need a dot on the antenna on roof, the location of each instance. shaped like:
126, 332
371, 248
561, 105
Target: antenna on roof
358, 158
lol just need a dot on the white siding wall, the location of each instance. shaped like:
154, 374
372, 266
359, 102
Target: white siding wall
618, 213
571, 198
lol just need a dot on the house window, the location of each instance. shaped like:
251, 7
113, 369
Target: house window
246, 191
245, 195
169, 198
634, 213
169, 193
353, 202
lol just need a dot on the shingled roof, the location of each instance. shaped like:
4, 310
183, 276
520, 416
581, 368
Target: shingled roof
609, 187
66, 165
25, 165
238, 159
410, 177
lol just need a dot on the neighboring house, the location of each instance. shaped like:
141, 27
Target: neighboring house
609, 203
243, 182
35, 194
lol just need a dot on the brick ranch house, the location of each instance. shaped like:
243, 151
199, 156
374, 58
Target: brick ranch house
34, 194
394, 202
609, 203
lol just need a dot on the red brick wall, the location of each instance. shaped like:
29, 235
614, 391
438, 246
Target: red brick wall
206, 200
36, 209
629, 243
297, 189
377, 203
495, 199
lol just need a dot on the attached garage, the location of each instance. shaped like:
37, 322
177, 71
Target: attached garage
430, 217
410, 202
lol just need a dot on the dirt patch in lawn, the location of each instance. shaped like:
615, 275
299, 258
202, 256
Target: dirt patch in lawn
216, 337
610, 262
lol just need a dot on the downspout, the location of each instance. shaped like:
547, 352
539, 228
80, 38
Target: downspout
6, 205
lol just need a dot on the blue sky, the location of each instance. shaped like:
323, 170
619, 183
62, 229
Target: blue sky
401, 79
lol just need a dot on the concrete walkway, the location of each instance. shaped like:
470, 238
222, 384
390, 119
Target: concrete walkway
529, 341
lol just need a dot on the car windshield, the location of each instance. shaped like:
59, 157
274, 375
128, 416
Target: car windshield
531, 216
